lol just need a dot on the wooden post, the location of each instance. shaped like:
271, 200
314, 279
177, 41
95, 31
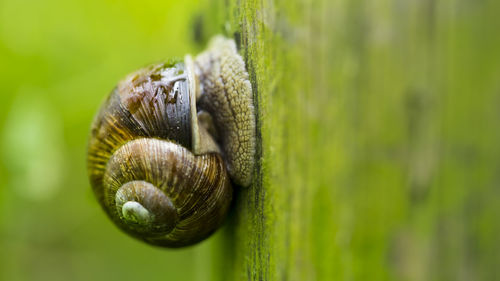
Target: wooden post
379, 155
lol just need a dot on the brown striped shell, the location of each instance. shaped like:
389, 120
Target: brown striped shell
141, 167
153, 159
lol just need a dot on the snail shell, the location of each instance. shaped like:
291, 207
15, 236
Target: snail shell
157, 160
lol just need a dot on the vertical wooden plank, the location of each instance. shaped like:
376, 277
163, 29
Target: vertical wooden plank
379, 127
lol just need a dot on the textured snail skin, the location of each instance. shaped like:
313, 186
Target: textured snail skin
226, 93
159, 172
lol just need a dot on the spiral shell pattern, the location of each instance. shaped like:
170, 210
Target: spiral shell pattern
140, 163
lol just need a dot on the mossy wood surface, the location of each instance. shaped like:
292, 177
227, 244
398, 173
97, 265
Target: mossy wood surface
379, 126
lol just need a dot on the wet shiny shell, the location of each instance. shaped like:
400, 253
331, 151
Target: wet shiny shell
139, 158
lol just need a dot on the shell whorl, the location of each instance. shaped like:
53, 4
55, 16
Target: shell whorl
184, 195
141, 166
142, 206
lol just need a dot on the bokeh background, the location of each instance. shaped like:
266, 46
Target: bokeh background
58, 61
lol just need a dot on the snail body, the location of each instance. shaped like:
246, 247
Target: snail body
167, 143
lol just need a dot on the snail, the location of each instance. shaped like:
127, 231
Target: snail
169, 141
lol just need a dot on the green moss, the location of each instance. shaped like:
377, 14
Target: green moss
357, 113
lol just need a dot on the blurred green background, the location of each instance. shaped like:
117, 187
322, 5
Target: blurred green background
58, 61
